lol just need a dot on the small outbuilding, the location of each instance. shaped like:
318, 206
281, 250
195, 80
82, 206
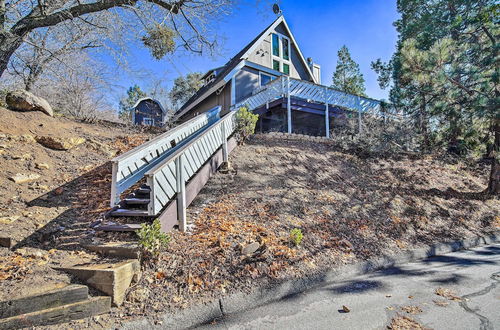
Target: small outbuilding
148, 111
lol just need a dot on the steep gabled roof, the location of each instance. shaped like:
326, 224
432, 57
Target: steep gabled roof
150, 99
228, 69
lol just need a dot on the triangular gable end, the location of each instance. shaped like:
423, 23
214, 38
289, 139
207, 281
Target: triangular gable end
266, 33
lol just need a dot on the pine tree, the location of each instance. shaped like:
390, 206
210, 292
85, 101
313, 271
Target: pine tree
347, 76
446, 71
185, 87
134, 94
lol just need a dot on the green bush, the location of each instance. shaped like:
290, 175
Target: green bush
151, 239
296, 236
246, 122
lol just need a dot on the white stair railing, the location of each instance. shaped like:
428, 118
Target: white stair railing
168, 179
130, 167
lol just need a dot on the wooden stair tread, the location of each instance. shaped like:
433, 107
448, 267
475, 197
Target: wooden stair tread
136, 201
74, 311
129, 213
49, 299
119, 227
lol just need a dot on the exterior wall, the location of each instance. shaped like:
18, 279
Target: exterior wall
223, 99
263, 56
148, 109
246, 81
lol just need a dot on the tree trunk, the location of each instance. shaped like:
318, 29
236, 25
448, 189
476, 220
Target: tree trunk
9, 43
494, 182
423, 122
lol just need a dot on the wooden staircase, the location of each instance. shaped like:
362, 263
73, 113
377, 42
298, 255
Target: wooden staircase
175, 166
59, 305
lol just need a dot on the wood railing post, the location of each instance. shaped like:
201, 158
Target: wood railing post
115, 196
181, 193
225, 155
360, 127
288, 106
327, 114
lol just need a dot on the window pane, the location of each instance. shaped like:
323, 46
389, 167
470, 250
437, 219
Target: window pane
286, 49
276, 65
276, 45
286, 68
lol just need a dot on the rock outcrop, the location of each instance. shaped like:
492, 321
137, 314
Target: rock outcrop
58, 143
22, 100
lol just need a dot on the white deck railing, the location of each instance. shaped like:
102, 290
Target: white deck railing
131, 166
168, 179
286, 87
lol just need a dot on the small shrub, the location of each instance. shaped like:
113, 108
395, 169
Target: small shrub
246, 122
152, 240
296, 236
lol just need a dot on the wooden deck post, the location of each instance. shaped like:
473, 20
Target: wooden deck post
181, 193
288, 106
225, 156
327, 114
360, 128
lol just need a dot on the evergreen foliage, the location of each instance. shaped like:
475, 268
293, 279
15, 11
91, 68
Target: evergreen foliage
445, 74
185, 87
246, 122
347, 76
134, 94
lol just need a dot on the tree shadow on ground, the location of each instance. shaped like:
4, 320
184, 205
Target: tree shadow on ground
84, 199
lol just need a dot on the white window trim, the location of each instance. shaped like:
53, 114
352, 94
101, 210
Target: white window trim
280, 59
265, 74
148, 121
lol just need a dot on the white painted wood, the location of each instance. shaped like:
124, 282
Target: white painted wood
225, 154
288, 107
233, 90
194, 155
181, 193
327, 115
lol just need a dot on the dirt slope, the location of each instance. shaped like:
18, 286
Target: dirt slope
68, 191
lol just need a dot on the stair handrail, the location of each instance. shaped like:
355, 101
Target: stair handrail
148, 154
182, 164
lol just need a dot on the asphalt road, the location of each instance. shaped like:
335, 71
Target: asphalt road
375, 300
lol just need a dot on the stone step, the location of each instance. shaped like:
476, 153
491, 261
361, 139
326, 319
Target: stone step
53, 298
60, 314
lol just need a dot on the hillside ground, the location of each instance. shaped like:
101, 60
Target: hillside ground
348, 208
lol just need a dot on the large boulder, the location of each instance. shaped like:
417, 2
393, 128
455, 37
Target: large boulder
22, 100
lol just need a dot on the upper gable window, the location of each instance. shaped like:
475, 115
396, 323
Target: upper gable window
276, 45
281, 53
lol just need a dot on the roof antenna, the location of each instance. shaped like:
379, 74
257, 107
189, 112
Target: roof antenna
277, 9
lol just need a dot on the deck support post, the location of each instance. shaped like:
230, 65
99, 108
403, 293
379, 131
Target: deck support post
181, 193
327, 115
225, 156
288, 106
360, 128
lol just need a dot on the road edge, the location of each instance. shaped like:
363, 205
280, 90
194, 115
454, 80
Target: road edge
265, 294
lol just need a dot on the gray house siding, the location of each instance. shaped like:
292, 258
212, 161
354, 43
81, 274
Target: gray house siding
246, 81
148, 109
262, 55
223, 99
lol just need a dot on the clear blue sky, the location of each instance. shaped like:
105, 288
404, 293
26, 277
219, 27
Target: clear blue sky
320, 28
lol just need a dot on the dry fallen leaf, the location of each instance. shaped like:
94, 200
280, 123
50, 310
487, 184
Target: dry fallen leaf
345, 309
448, 294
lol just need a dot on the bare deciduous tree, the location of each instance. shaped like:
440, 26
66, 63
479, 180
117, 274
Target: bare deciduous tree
187, 18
